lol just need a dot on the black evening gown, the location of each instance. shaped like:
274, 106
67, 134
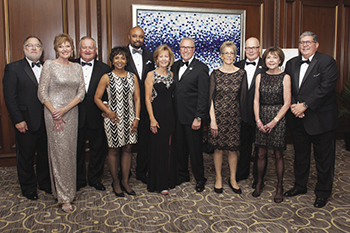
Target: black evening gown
161, 161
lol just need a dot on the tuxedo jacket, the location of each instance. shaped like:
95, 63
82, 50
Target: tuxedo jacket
317, 90
147, 66
20, 89
89, 113
191, 92
248, 109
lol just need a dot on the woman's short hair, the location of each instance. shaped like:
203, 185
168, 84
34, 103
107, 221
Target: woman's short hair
123, 50
273, 50
228, 44
162, 48
61, 39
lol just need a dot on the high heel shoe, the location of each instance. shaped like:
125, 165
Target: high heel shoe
132, 193
237, 191
279, 199
219, 190
117, 194
257, 190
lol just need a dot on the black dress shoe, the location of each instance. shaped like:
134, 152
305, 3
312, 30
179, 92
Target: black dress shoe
293, 192
320, 202
117, 194
131, 193
46, 190
237, 191
32, 196
99, 186
79, 186
218, 190
182, 180
144, 179
200, 186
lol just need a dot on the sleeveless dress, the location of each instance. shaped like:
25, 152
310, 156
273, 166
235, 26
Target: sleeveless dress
225, 91
161, 160
60, 84
271, 101
120, 91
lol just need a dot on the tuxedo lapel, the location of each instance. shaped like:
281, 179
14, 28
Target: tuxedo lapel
29, 72
189, 69
296, 74
133, 67
94, 76
258, 70
175, 70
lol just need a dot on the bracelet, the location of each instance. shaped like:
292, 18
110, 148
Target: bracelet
258, 121
276, 120
137, 118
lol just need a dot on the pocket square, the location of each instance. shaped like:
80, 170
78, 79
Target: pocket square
148, 62
316, 75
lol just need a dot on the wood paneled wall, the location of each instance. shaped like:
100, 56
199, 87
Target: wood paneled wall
274, 22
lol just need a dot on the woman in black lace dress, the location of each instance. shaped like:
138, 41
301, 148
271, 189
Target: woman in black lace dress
271, 102
227, 90
159, 88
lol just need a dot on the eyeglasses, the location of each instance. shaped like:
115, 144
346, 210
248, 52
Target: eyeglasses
308, 42
229, 54
31, 46
85, 48
186, 47
252, 48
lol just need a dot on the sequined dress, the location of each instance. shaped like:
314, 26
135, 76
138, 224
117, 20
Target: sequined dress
161, 159
271, 101
225, 91
120, 91
60, 84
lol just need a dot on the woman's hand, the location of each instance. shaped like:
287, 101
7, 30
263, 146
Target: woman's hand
261, 126
134, 126
214, 128
58, 114
58, 125
268, 127
154, 126
113, 117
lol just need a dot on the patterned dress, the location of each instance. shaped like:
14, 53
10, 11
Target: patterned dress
271, 101
225, 91
120, 91
60, 84
161, 160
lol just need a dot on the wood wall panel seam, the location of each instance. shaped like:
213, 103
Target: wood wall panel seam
7, 31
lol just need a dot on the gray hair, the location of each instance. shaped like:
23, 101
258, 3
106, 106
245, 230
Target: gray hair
188, 38
308, 33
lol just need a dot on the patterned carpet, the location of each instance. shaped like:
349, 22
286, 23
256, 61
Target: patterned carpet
184, 210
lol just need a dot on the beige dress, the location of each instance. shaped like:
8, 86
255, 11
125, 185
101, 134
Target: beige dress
60, 84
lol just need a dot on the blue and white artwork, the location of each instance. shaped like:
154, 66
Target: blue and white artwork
168, 25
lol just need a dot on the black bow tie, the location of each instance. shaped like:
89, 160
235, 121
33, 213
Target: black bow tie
38, 64
305, 61
139, 51
86, 63
250, 63
184, 63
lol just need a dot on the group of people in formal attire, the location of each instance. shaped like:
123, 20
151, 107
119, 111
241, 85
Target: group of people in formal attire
162, 105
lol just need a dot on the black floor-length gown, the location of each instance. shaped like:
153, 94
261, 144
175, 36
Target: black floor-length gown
161, 162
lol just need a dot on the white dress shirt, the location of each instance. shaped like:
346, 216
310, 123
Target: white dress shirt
303, 69
137, 58
36, 70
184, 68
250, 69
87, 71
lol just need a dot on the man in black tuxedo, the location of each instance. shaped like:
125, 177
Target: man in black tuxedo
253, 66
191, 101
90, 119
20, 86
140, 64
313, 117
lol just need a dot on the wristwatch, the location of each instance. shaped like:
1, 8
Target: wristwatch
199, 119
305, 105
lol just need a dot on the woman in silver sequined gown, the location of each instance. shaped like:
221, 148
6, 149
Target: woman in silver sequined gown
123, 116
60, 89
159, 88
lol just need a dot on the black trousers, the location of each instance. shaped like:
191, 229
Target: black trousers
189, 142
26, 145
98, 150
324, 153
143, 145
